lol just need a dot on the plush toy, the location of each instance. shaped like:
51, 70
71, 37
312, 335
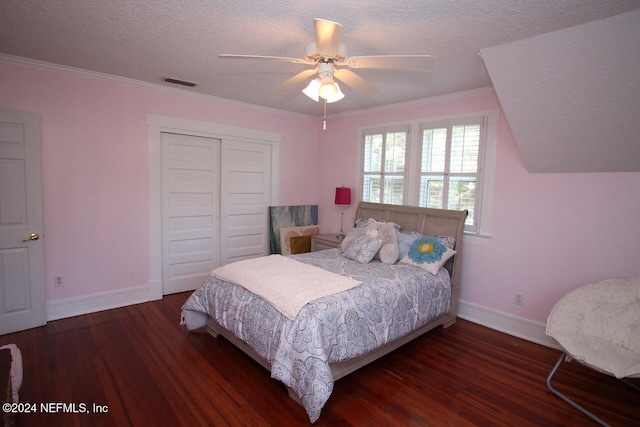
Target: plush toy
386, 231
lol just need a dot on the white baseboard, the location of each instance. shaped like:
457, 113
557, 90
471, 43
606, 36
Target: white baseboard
507, 323
60, 309
155, 290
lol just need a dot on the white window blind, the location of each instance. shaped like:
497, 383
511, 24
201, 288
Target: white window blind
383, 176
450, 166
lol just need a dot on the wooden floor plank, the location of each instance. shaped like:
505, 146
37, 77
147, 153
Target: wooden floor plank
147, 370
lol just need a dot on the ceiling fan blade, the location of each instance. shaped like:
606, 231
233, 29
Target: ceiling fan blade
301, 76
268, 58
353, 80
328, 35
398, 62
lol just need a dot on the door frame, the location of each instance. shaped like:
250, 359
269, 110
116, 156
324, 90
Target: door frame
156, 125
35, 314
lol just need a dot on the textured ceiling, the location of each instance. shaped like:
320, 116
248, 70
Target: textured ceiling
148, 40
572, 97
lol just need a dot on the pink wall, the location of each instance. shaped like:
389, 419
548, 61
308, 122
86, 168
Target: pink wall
95, 168
551, 232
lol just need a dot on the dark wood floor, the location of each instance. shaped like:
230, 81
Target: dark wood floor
148, 371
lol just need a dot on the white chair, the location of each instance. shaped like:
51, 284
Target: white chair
599, 326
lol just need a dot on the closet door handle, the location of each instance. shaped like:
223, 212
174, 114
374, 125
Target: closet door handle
32, 236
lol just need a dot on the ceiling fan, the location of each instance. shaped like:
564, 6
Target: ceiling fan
328, 57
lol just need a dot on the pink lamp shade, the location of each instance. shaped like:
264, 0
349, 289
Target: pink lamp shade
343, 196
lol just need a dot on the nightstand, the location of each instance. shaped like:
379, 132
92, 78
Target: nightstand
320, 242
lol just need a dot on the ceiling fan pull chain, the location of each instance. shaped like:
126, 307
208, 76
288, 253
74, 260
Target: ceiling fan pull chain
324, 118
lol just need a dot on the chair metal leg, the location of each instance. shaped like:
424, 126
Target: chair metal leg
630, 384
566, 399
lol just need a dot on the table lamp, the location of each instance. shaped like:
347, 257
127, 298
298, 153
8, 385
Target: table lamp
343, 198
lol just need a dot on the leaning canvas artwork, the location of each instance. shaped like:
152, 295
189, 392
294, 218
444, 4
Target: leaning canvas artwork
289, 216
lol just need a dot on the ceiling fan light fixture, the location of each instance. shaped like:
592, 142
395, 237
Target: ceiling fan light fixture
323, 87
313, 89
336, 93
328, 90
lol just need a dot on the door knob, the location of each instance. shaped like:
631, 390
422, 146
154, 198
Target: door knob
32, 236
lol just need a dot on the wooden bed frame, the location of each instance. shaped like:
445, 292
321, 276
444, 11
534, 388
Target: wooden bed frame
437, 222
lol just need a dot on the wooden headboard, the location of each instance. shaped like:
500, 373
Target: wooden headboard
432, 222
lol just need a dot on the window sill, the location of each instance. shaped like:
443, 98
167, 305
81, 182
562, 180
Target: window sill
477, 238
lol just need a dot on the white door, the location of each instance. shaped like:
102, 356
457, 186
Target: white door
190, 210
246, 196
22, 294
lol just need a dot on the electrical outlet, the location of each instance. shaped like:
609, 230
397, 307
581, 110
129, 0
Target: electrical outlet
57, 282
518, 299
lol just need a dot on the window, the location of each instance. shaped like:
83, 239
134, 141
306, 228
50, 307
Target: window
443, 164
384, 157
449, 167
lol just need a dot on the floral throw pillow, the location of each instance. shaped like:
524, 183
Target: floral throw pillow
363, 249
428, 253
406, 238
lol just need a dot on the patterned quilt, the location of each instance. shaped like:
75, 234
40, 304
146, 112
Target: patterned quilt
392, 301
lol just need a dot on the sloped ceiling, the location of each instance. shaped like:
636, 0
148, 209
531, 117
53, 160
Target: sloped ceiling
572, 97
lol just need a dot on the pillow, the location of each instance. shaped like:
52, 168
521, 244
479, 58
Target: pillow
406, 238
350, 237
428, 253
361, 222
358, 230
363, 249
448, 241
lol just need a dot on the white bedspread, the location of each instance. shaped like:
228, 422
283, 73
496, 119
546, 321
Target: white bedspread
287, 284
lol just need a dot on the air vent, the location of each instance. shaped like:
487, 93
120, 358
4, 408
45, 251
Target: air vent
179, 82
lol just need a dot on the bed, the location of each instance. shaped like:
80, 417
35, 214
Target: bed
336, 334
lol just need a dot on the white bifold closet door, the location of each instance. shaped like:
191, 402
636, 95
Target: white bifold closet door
215, 199
190, 210
245, 200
